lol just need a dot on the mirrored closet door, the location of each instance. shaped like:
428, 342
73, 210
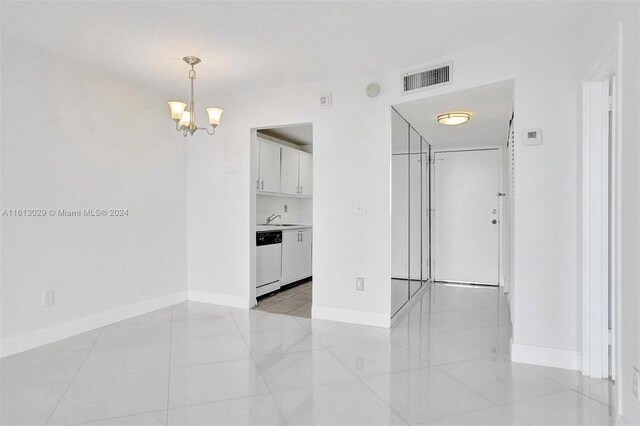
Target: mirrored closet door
410, 242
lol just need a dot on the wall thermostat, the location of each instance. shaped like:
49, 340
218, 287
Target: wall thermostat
533, 137
373, 90
325, 100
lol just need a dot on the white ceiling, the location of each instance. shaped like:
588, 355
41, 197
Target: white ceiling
251, 45
490, 107
300, 134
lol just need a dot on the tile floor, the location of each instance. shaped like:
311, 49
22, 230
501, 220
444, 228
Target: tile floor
445, 363
294, 300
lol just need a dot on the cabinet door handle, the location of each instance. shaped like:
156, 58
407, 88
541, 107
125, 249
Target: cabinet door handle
300, 190
301, 236
262, 185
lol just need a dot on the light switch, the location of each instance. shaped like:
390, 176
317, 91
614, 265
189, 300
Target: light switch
360, 209
533, 137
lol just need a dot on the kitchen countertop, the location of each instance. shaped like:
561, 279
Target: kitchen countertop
275, 227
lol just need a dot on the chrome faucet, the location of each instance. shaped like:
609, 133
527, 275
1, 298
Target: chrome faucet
273, 217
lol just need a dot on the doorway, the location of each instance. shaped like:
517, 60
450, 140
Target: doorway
282, 177
466, 232
448, 191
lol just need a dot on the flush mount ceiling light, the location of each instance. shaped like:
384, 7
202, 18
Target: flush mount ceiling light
185, 117
453, 118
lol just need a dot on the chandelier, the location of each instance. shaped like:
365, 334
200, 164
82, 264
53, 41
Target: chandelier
185, 117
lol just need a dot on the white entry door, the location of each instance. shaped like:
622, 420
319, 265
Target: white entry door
466, 216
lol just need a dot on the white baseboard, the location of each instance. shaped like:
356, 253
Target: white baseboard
45, 336
220, 299
549, 357
375, 319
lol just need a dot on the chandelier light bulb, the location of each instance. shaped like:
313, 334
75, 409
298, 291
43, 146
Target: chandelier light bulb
185, 119
177, 108
214, 115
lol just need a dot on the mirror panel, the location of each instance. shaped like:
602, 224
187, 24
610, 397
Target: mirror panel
409, 212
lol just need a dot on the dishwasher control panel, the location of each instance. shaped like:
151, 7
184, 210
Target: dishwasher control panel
265, 238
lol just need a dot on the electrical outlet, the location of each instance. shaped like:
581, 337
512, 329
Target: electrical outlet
359, 283
47, 298
636, 383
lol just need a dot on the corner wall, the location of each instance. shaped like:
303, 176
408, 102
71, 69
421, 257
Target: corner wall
78, 138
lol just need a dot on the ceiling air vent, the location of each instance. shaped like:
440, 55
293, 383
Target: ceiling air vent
429, 77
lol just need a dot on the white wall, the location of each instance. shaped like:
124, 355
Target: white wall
73, 138
341, 179
352, 165
547, 92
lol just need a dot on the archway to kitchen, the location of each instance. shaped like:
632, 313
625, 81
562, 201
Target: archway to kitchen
282, 212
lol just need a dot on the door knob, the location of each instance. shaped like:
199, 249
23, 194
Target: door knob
494, 221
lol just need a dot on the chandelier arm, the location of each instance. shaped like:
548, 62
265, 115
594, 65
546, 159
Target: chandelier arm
207, 130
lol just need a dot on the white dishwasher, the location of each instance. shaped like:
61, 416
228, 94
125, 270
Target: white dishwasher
268, 261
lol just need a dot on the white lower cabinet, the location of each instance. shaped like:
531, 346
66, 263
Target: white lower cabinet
296, 255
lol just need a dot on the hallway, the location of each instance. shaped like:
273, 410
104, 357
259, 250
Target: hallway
446, 362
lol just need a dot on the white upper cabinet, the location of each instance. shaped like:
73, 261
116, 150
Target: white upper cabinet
284, 170
269, 169
289, 171
305, 177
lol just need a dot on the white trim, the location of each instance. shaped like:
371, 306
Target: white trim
48, 335
465, 148
600, 208
221, 299
549, 357
595, 230
376, 319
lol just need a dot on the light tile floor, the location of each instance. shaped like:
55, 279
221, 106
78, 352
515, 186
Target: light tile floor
293, 300
446, 362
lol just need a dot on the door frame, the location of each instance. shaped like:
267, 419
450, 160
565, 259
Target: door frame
253, 199
501, 232
601, 230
